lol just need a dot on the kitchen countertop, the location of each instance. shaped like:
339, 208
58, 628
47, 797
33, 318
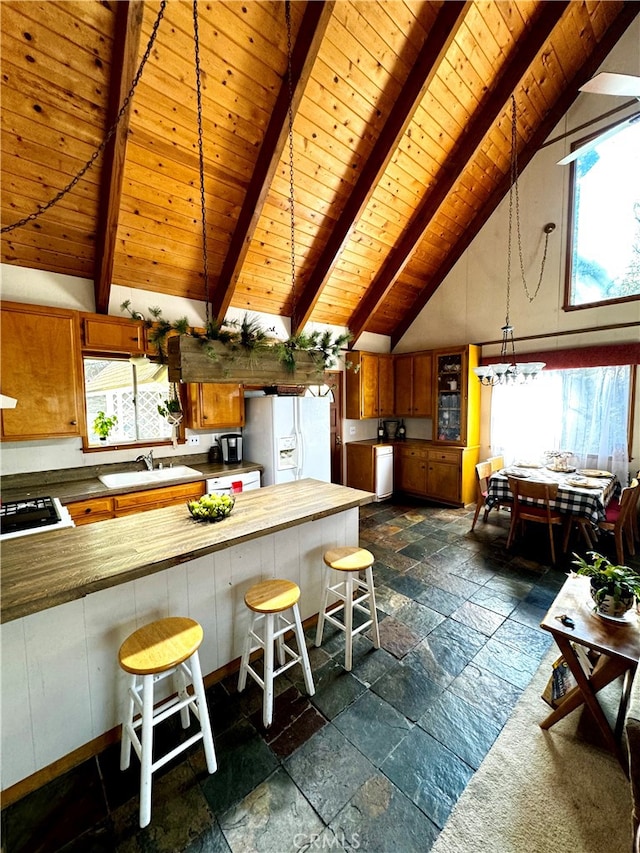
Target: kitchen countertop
51, 568
82, 484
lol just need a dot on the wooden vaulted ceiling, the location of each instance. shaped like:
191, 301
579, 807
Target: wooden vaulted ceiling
401, 141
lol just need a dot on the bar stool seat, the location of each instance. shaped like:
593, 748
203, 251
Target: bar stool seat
159, 650
268, 601
349, 561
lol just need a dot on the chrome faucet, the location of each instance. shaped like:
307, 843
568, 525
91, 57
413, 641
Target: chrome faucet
148, 460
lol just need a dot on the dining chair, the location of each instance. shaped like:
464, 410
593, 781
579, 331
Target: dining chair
619, 519
497, 463
542, 514
483, 472
634, 515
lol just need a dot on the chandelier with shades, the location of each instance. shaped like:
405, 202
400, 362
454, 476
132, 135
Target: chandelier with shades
508, 370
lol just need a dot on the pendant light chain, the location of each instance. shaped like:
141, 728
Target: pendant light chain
287, 12
42, 208
513, 192
205, 263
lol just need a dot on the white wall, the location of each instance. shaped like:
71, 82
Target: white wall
470, 305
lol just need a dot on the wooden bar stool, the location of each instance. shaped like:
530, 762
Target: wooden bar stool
152, 653
268, 602
350, 562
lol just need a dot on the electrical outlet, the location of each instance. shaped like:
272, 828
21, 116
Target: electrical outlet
193, 439
352, 430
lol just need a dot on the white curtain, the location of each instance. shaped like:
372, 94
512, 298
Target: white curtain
582, 410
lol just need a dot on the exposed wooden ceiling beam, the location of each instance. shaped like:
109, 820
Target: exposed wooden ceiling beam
481, 124
126, 40
442, 33
312, 28
571, 92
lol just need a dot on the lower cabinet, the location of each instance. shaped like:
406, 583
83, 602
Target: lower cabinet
361, 466
94, 509
99, 509
446, 475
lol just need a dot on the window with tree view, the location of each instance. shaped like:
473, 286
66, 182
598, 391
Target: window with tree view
604, 258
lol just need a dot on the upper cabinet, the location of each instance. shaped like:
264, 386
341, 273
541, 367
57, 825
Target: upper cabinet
42, 369
413, 385
457, 396
101, 333
213, 405
369, 385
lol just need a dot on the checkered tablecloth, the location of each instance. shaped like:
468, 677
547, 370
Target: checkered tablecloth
589, 503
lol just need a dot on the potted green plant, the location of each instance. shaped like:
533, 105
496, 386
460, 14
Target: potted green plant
103, 424
613, 588
171, 409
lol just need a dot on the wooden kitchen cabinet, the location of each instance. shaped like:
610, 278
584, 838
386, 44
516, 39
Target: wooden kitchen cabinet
413, 385
457, 396
361, 466
112, 506
214, 405
93, 509
410, 470
156, 498
102, 333
446, 475
42, 369
369, 385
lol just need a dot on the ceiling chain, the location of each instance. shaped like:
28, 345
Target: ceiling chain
205, 263
42, 208
287, 12
514, 196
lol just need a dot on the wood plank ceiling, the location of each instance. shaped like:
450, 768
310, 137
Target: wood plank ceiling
401, 142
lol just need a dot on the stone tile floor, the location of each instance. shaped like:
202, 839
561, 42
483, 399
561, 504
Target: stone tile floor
377, 758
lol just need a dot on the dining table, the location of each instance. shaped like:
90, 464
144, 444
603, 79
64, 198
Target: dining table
583, 492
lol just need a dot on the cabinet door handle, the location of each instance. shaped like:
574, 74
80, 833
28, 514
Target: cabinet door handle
73, 423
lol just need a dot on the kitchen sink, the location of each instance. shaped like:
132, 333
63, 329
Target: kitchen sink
124, 479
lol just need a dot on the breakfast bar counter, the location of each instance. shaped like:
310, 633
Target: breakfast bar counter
55, 567
70, 597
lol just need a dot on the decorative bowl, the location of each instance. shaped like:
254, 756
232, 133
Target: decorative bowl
211, 507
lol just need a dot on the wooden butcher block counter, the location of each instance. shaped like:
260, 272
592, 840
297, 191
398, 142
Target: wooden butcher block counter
54, 567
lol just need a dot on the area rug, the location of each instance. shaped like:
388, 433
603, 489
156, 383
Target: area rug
542, 791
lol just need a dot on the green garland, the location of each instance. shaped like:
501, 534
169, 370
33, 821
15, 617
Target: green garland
245, 337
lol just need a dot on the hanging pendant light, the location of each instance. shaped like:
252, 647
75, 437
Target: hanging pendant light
508, 370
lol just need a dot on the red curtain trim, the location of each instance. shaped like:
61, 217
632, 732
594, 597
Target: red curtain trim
596, 356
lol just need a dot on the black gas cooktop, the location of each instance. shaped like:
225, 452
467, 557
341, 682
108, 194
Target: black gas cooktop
27, 514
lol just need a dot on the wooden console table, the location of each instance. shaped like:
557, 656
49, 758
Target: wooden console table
618, 644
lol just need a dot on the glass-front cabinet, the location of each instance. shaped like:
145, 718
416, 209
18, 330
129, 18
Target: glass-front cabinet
457, 396
449, 420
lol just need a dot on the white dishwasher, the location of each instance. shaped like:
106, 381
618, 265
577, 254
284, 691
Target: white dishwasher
383, 471
231, 484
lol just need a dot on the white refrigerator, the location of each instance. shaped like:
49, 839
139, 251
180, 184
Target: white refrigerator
289, 437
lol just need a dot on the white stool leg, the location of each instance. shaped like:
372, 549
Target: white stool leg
302, 648
125, 744
181, 690
280, 643
323, 607
372, 605
246, 652
203, 711
348, 622
147, 750
267, 703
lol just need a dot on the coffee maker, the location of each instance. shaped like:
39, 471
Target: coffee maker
231, 447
